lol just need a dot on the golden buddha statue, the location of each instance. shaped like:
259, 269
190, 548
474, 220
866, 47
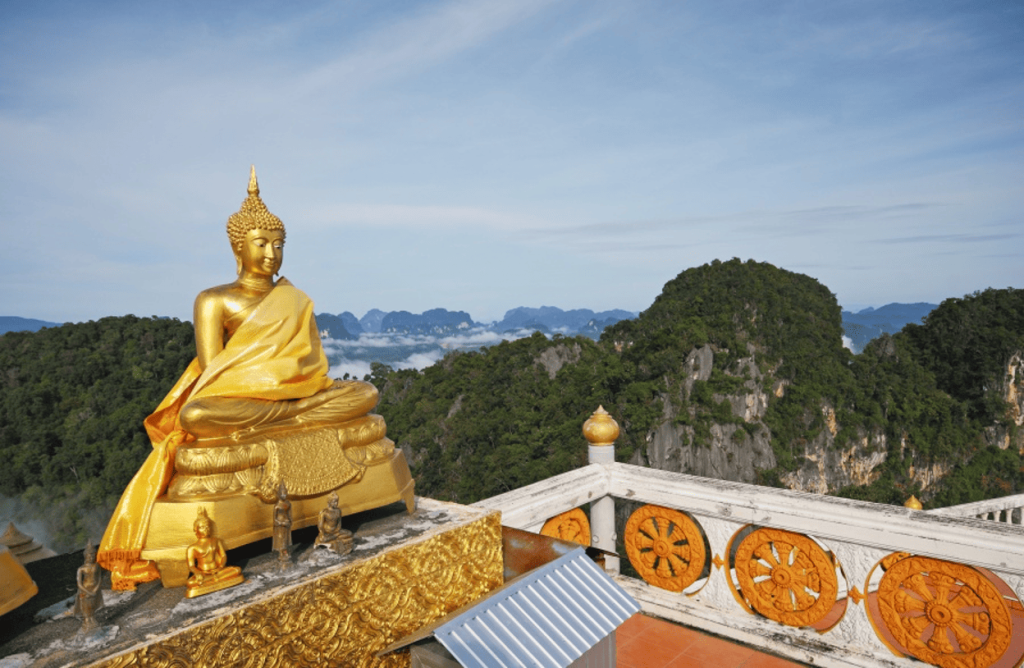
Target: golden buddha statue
255, 407
332, 535
207, 561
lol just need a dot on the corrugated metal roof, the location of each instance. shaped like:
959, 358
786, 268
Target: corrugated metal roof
548, 617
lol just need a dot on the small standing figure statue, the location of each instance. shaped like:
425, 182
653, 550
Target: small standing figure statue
282, 527
90, 599
332, 536
207, 561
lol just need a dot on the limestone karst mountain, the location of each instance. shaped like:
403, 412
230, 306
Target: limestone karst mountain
736, 371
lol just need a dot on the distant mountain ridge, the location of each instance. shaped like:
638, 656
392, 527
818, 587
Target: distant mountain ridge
870, 323
442, 322
12, 323
861, 327
554, 319
434, 321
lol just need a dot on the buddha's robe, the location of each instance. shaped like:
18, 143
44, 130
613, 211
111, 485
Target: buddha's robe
275, 354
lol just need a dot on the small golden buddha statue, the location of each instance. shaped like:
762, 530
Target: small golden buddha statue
207, 561
89, 600
332, 535
254, 407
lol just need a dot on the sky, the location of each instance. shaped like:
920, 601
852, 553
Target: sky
481, 155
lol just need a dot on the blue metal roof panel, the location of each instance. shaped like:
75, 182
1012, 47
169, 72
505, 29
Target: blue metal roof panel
548, 618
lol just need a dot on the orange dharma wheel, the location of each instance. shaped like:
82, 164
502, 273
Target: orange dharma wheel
665, 547
572, 525
786, 576
944, 613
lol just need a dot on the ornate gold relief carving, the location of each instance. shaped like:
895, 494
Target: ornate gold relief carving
571, 525
893, 558
344, 618
944, 613
665, 547
786, 576
259, 463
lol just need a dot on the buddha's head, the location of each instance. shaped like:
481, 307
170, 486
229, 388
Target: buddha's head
256, 235
90, 554
203, 526
332, 500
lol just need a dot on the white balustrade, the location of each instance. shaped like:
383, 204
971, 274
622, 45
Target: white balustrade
859, 534
1005, 509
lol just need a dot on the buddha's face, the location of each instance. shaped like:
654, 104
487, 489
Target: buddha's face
202, 529
262, 251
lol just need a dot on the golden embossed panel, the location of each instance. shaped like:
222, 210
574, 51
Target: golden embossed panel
344, 618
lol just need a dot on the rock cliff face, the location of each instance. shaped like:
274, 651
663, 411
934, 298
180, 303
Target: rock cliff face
732, 451
732, 454
827, 468
741, 451
553, 359
1012, 392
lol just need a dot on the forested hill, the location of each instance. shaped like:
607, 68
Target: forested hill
72, 402
736, 371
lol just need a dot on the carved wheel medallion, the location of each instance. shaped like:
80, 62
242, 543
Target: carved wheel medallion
944, 613
786, 576
665, 547
571, 525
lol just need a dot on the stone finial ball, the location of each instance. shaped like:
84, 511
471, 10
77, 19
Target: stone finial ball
601, 428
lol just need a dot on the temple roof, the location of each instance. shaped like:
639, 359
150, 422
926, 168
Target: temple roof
24, 547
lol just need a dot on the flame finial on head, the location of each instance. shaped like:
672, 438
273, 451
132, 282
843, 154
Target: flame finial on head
253, 215
254, 186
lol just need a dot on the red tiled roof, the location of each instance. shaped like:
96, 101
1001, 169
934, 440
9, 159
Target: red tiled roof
646, 642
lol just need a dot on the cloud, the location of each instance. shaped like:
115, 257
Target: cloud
404, 351
787, 221
420, 361
409, 45
422, 216
947, 238
357, 369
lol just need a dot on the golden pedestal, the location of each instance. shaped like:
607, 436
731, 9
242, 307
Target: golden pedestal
244, 518
341, 615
